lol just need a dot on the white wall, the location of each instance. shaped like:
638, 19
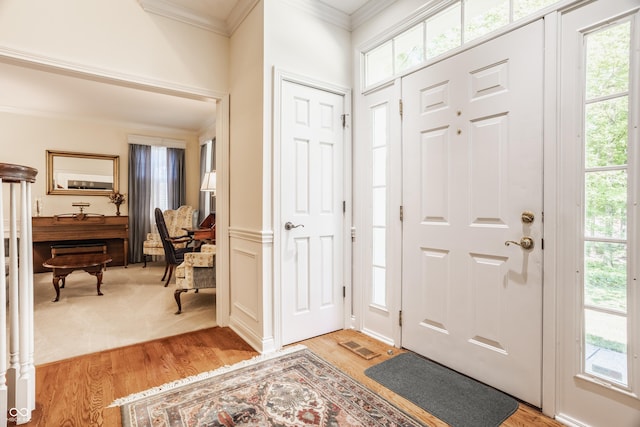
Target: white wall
275, 34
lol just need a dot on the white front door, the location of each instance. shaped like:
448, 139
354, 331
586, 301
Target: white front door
312, 217
472, 179
599, 202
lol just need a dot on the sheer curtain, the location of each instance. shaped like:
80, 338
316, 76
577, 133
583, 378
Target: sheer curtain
156, 179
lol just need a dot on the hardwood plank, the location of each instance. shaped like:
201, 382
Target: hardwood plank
77, 392
328, 348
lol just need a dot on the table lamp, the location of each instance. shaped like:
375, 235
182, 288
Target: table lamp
209, 185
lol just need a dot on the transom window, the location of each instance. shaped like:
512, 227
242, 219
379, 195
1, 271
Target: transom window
441, 31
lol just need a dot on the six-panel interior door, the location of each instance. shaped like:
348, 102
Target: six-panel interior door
311, 212
472, 165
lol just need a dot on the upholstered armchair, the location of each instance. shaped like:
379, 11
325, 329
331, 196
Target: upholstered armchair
197, 271
175, 220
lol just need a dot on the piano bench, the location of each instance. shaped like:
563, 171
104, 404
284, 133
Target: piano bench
78, 247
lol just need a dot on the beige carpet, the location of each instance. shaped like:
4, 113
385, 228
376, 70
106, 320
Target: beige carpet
135, 307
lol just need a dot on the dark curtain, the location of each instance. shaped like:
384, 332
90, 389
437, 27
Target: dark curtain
176, 185
139, 198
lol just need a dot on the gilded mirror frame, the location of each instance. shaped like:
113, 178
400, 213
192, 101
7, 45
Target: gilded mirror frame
87, 174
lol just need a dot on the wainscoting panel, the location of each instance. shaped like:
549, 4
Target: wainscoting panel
251, 302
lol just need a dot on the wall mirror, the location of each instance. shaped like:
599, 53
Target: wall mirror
81, 173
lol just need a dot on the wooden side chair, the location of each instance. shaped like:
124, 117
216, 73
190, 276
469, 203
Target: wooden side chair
176, 221
173, 255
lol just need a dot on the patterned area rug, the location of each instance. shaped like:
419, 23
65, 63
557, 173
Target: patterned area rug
291, 388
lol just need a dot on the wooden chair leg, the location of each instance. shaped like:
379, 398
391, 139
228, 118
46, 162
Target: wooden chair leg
166, 268
144, 257
177, 294
170, 267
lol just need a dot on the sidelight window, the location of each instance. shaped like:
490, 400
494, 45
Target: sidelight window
607, 168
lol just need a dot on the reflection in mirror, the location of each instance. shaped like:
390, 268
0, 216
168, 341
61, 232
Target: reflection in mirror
81, 173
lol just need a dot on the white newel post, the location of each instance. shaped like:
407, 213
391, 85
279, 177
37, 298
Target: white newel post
17, 375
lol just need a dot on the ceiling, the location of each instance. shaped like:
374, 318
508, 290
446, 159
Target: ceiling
42, 91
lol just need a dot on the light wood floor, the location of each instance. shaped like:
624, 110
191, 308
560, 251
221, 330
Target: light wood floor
77, 392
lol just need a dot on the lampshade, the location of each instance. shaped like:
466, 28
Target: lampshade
209, 182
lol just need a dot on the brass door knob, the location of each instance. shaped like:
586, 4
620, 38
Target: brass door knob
525, 243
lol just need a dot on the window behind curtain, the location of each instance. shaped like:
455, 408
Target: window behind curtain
156, 179
158, 192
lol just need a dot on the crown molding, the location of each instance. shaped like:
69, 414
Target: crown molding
339, 18
185, 15
368, 11
170, 10
239, 13
322, 11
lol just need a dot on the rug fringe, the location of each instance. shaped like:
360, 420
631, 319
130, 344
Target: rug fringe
204, 375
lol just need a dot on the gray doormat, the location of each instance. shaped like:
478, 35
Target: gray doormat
454, 398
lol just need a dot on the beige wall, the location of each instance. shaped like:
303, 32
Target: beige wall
246, 128
116, 38
25, 139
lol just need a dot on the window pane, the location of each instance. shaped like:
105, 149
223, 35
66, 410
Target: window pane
379, 166
409, 48
522, 8
606, 346
379, 207
379, 247
483, 16
607, 58
605, 275
606, 125
378, 288
444, 31
379, 63
379, 120
606, 204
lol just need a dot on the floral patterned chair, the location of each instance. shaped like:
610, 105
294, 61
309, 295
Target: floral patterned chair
176, 220
197, 271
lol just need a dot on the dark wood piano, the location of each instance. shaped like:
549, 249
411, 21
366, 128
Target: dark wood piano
49, 230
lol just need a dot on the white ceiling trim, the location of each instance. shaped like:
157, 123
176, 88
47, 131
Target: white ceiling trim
368, 11
323, 11
185, 15
239, 13
168, 9
55, 65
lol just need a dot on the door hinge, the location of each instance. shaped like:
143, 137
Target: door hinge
344, 206
400, 318
344, 120
344, 292
542, 244
400, 107
353, 234
401, 213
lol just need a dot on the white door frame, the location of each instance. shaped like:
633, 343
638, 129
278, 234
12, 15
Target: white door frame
364, 312
279, 77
